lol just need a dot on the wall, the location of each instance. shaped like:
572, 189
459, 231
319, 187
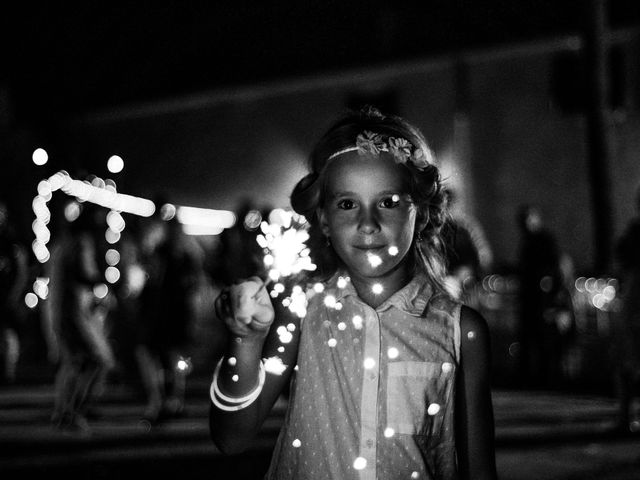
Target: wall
509, 143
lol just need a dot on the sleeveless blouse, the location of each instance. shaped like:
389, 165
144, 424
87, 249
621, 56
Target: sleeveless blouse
372, 396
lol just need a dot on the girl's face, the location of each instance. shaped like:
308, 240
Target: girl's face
369, 215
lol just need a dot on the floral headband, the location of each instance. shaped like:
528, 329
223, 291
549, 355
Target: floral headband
400, 148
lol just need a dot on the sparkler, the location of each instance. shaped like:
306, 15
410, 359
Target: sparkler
286, 255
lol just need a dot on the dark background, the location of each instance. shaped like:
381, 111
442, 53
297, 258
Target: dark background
63, 58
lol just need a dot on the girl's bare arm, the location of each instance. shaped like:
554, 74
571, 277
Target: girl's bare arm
249, 342
474, 410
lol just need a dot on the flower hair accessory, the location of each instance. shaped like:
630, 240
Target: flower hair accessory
400, 149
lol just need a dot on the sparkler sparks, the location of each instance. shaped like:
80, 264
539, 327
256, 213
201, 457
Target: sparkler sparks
360, 463
374, 260
284, 243
274, 365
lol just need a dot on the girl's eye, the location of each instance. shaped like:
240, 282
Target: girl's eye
390, 202
346, 204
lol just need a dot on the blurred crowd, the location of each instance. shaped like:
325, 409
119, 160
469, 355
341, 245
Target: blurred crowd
128, 310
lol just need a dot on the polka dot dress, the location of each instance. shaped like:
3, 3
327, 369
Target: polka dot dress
373, 394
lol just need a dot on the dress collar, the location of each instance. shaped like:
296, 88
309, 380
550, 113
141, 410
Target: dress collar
412, 298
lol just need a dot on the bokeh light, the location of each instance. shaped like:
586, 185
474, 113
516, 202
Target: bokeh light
115, 164
40, 156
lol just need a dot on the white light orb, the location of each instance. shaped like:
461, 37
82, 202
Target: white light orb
360, 463
115, 164
40, 156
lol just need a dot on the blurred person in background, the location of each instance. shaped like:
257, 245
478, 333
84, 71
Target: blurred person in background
544, 301
627, 345
173, 267
468, 254
76, 310
124, 315
14, 268
239, 256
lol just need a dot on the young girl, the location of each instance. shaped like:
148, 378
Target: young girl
390, 375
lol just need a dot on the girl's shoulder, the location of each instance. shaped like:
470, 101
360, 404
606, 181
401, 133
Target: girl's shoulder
444, 302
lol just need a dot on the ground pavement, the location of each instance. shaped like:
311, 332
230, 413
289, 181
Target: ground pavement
539, 435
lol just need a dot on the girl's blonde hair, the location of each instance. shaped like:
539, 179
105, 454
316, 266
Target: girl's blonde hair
426, 190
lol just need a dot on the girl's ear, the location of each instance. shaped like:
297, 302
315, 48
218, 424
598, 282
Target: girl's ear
324, 224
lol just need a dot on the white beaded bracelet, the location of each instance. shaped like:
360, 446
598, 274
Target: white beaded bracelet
235, 403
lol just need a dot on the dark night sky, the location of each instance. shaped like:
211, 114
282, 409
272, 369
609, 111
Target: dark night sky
67, 58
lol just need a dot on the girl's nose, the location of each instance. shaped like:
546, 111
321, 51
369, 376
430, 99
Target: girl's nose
368, 223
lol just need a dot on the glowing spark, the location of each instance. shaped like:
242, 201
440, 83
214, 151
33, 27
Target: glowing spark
332, 342
318, 287
447, 367
389, 432
296, 443
291, 327
374, 260
393, 353
360, 463
393, 251
284, 242
342, 282
330, 301
338, 306
433, 409
342, 326
182, 365
471, 335
281, 349
377, 288
297, 303
235, 378
369, 363
284, 335
415, 475
357, 322
232, 361
274, 365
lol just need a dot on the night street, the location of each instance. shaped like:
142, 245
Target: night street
539, 436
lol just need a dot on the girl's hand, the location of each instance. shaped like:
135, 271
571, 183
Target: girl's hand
246, 309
